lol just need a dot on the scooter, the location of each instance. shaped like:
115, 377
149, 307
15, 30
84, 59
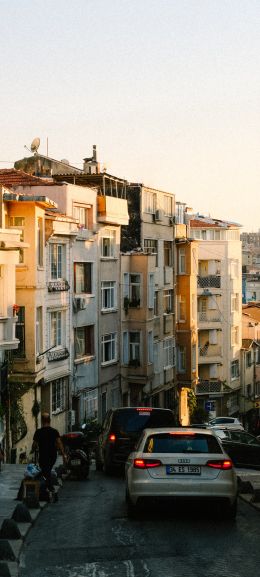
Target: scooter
78, 454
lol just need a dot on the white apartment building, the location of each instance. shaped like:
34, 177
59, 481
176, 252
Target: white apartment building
219, 313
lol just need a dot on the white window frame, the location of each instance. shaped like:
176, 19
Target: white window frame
56, 329
182, 261
150, 202
56, 254
168, 353
168, 301
150, 349
39, 331
108, 348
234, 370
132, 284
108, 295
108, 244
58, 395
167, 201
182, 360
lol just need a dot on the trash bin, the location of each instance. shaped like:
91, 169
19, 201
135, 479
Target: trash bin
13, 456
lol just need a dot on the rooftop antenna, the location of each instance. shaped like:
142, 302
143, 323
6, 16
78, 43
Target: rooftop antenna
34, 146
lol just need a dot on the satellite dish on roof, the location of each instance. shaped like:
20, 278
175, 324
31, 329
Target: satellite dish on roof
35, 145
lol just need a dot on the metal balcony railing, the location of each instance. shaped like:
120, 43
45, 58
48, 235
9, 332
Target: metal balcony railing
58, 355
208, 387
210, 281
58, 285
210, 316
210, 350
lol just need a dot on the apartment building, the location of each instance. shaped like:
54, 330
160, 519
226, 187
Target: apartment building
148, 321
250, 367
219, 314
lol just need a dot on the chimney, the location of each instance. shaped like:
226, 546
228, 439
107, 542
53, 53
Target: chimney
94, 157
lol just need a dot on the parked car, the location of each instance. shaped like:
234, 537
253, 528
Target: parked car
242, 447
174, 464
228, 422
121, 430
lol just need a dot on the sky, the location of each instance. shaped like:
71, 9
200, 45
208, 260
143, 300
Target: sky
168, 90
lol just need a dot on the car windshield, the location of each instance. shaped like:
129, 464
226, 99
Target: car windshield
181, 443
134, 420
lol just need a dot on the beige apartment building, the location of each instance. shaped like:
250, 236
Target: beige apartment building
219, 314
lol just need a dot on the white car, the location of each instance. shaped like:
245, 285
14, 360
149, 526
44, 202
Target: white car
227, 422
177, 463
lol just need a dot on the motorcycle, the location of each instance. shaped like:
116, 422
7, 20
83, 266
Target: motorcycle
78, 454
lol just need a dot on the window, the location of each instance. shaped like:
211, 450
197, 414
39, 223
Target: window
149, 202
168, 301
182, 309
108, 295
182, 359
156, 304
18, 222
82, 277
40, 241
234, 302
108, 244
55, 329
156, 350
167, 246
151, 247
234, 370
151, 290
167, 205
39, 346
193, 358
132, 289
234, 336
56, 260
168, 353
248, 359
90, 404
83, 213
108, 348
20, 333
182, 261
132, 348
59, 395
84, 341
150, 347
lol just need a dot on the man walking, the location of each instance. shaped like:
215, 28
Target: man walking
47, 441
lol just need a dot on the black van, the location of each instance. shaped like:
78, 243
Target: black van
121, 429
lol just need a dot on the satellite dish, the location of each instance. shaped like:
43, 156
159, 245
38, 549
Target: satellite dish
35, 145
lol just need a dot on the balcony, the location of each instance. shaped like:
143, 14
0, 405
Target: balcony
58, 285
208, 387
210, 353
210, 281
209, 317
112, 210
58, 355
8, 340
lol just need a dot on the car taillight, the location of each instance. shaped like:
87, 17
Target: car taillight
146, 463
227, 464
112, 438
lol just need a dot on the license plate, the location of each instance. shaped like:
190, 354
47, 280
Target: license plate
75, 462
183, 470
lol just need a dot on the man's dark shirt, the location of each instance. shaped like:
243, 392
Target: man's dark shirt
46, 438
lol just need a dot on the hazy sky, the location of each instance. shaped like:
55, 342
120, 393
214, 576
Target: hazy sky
168, 90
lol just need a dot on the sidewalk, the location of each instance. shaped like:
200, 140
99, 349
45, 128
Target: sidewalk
20, 518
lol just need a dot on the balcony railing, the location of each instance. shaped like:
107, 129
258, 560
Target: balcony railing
208, 387
210, 281
209, 317
58, 285
58, 355
210, 350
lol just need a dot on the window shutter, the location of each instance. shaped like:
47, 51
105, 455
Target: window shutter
151, 287
126, 285
150, 347
125, 348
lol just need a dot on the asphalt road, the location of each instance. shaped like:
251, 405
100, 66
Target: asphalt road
87, 534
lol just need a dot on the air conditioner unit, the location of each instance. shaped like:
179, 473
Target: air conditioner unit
79, 303
172, 220
158, 215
